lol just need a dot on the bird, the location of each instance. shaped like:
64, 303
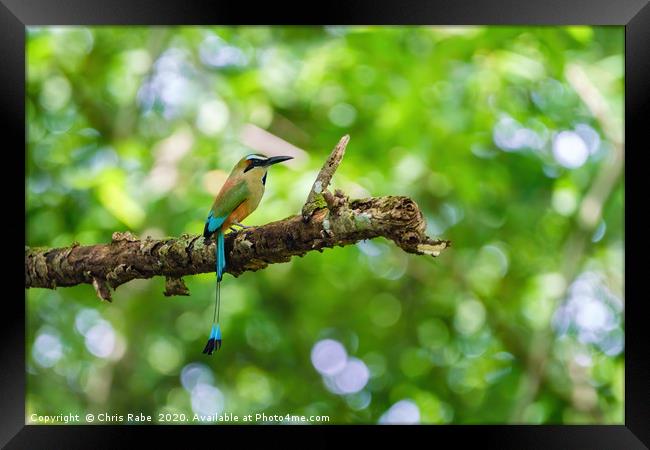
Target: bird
238, 198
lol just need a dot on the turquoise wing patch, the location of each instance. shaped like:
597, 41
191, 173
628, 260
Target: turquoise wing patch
214, 222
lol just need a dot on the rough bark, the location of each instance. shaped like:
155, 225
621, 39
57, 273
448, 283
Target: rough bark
315, 199
327, 220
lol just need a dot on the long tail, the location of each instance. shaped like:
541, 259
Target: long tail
214, 342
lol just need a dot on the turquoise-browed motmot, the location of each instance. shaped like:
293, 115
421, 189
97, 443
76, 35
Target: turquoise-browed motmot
237, 199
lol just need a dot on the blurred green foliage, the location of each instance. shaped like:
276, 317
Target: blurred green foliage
133, 128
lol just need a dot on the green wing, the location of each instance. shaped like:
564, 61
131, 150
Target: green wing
229, 198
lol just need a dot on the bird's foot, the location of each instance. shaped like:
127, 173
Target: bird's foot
243, 227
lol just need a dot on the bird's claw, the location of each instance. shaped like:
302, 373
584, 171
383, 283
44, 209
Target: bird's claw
243, 227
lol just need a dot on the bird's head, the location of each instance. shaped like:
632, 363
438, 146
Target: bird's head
257, 164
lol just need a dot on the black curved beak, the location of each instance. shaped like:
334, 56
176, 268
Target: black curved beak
276, 159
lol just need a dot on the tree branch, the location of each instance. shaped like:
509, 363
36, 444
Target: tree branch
316, 199
327, 220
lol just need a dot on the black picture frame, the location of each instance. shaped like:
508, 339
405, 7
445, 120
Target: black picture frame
15, 15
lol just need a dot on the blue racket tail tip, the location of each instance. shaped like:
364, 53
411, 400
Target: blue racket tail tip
214, 342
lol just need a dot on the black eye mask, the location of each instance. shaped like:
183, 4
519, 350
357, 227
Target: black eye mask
255, 163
